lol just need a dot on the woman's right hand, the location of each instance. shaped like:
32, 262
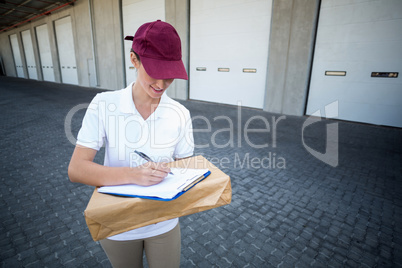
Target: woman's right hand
148, 174
82, 169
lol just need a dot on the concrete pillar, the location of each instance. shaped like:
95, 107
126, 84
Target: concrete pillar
293, 30
6, 54
178, 14
108, 42
80, 20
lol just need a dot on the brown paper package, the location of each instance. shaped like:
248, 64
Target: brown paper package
108, 215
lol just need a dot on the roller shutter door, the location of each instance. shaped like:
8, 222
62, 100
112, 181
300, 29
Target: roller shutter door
29, 54
45, 55
17, 55
66, 50
360, 42
229, 43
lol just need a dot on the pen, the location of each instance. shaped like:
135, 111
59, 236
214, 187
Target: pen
146, 157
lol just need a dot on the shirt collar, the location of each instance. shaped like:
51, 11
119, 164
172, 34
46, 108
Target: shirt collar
164, 108
127, 104
126, 100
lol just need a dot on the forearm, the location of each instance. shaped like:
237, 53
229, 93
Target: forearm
90, 173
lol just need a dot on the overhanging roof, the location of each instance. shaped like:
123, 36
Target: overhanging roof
14, 13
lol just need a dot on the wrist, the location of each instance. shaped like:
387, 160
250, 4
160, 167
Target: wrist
130, 175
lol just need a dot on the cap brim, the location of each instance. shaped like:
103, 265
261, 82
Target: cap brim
162, 69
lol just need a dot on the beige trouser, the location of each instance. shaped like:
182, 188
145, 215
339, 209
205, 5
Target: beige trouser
161, 251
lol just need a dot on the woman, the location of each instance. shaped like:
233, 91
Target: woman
140, 117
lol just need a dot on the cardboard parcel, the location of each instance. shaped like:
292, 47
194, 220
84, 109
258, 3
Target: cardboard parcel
108, 215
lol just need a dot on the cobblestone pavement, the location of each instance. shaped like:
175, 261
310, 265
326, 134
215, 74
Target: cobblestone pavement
289, 209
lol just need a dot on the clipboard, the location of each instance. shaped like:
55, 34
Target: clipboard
136, 191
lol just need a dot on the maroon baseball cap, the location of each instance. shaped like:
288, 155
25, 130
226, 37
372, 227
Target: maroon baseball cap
159, 47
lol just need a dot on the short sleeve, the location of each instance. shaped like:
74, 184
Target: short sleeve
185, 147
92, 132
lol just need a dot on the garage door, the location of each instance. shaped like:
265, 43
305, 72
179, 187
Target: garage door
45, 55
357, 61
29, 54
66, 50
17, 55
145, 11
229, 51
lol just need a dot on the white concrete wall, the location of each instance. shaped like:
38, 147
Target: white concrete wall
107, 36
288, 67
99, 49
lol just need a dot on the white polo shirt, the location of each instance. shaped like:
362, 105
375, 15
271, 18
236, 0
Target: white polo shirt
112, 120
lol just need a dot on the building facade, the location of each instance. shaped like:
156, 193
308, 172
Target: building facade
293, 57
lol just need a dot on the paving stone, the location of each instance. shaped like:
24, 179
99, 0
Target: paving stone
304, 214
